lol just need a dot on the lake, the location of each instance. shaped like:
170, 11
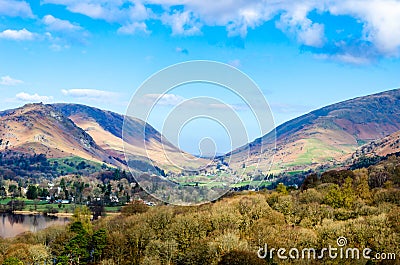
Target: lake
14, 224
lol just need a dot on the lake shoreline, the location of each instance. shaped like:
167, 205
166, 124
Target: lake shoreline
69, 215
19, 222
24, 212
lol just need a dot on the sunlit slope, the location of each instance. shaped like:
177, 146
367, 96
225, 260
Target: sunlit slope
105, 127
381, 147
324, 136
41, 129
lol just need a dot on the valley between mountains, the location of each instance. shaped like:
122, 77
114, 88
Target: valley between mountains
328, 137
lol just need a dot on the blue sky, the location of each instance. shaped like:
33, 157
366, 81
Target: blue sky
302, 54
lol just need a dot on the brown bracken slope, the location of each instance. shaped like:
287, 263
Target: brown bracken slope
324, 136
381, 147
63, 130
41, 129
143, 143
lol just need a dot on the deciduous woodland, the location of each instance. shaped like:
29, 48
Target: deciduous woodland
361, 205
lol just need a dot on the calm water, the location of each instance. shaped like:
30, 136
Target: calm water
14, 224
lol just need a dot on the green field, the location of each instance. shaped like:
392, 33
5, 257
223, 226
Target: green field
74, 164
41, 206
256, 184
112, 209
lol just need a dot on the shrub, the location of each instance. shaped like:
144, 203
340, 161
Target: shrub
310, 196
134, 208
394, 217
387, 195
237, 257
12, 261
198, 253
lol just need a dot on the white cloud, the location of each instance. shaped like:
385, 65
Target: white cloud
182, 23
381, 21
295, 22
187, 17
55, 24
14, 8
62, 33
57, 48
138, 11
163, 99
8, 81
91, 10
182, 50
120, 11
32, 97
345, 58
133, 28
90, 94
22, 34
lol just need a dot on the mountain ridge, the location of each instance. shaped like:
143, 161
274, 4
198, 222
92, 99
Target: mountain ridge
40, 129
142, 141
326, 134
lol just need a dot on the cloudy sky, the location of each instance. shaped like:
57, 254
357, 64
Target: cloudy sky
302, 54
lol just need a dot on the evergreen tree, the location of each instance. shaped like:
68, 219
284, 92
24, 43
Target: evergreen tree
32, 192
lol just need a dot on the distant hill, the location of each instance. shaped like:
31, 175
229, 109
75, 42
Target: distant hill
327, 135
105, 127
73, 130
41, 129
381, 147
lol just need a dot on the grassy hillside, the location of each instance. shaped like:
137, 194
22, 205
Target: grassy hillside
31, 168
143, 144
328, 135
76, 165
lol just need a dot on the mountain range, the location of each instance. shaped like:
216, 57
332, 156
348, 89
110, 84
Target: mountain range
65, 130
326, 136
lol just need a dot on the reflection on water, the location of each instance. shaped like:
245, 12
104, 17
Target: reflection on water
14, 224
